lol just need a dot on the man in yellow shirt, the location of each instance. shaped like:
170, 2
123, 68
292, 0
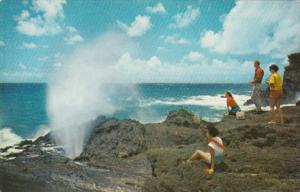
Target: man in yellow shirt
275, 83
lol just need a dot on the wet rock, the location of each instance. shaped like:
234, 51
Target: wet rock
115, 138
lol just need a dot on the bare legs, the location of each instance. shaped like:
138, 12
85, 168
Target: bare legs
278, 110
200, 155
273, 117
275, 97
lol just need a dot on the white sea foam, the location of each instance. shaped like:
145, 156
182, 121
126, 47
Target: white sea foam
215, 101
10, 151
8, 137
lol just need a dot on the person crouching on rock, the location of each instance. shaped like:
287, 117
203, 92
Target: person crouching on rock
216, 150
275, 83
232, 106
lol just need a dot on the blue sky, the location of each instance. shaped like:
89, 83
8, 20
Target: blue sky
198, 41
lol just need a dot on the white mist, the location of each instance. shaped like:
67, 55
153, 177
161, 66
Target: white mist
84, 88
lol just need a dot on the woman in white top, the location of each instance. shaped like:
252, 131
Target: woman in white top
216, 150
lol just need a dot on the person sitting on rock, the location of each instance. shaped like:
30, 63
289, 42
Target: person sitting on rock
275, 83
216, 150
232, 106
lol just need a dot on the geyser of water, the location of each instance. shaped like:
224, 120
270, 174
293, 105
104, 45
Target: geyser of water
83, 88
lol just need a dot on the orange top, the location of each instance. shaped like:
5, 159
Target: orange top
231, 102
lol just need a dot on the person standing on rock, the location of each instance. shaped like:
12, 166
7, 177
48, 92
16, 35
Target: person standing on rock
257, 90
275, 82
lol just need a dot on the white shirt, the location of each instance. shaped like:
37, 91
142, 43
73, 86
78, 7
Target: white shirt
218, 150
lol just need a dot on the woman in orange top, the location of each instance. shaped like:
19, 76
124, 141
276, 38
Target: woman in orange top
232, 106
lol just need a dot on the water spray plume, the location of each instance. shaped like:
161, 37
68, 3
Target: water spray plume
83, 88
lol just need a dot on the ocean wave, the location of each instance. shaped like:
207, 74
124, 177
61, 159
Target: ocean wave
216, 101
8, 137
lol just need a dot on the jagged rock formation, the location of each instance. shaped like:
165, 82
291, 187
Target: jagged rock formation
291, 78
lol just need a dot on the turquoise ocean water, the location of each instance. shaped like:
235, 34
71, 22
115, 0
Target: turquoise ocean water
23, 107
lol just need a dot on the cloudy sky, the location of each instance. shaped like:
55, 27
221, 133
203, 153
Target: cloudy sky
198, 41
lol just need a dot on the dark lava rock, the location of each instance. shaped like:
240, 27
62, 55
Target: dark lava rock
263, 156
291, 78
116, 138
125, 155
183, 118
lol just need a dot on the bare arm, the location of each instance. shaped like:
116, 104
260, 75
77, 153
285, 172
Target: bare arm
212, 154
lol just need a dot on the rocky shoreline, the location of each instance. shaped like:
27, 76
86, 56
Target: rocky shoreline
125, 155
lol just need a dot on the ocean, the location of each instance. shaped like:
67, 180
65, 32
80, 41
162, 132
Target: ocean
23, 107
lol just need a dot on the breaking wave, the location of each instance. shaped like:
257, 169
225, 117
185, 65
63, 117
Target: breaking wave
214, 102
8, 137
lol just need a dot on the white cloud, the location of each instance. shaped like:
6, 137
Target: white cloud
158, 8
2, 44
50, 8
175, 39
259, 27
73, 36
194, 56
44, 19
74, 39
204, 70
210, 39
138, 27
29, 45
71, 29
58, 55
57, 64
43, 59
161, 48
45, 46
186, 18
22, 66
154, 61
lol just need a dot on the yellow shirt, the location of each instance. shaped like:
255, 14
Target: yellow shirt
276, 82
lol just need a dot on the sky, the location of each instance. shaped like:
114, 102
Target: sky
199, 41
